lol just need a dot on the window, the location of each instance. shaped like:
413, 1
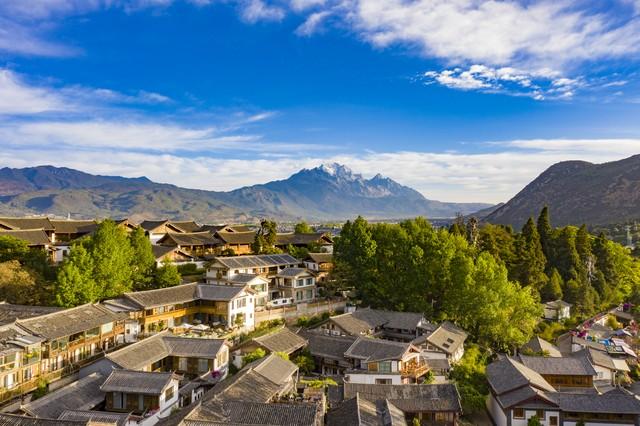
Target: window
309, 294
168, 394
299, 283
299, 295
384, 366
203, 365
372, 366
383, 381
540, 415
553, 421
309, 281
182, 364
518, 413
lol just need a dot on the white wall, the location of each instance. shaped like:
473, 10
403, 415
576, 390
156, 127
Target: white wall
530, 413
248, 311
603, 373
367, 378
496, 412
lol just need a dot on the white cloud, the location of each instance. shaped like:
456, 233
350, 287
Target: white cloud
257, 10
301, 5
538, 84
312, 23
17, 96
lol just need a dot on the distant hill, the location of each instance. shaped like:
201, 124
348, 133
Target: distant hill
578, 192
328, 192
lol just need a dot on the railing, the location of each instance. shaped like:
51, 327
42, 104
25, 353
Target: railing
414, 369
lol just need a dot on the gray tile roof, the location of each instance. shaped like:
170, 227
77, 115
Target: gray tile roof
575, 365
410, 398
257, 261
324, 346
538, 345
16, 420
161, 345
33, 237
73, 226
507, 374
204, 238
283, 340
27, 223
245, 278
285, 239
139, 382
70, 321
244, 237
356, 411
599, 358
83, 394
321, 257
184, 293
447, 337
363, 321
256, 413
370, 349
118, 419
515, 397
10, 312
616, 401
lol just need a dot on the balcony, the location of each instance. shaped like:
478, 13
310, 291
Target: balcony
414, 369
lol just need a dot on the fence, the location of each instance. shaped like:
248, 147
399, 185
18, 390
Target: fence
292, 313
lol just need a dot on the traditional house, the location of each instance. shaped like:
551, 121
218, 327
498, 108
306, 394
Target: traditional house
436, 404
156, 229
196, 244
384, 362
557, 310
260, 272
69, 230
446, 341
400, 326
171, 254
35, 239
320, 263
328, 352
157, 310
10, 312
237, 242
312, 240
73, 335
517, 393
141, 392
20, 356
569, 372
280, 341
29, 223
189, 356
607, 368
297, 284
540, 347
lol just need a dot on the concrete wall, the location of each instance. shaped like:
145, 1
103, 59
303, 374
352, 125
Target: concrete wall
303, 309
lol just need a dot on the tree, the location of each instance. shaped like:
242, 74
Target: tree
534, 421
253, 356
530, 263
546, 232
472, 231
265, 239
297, 252
552, 289
12, 248
143, 262
305, 362
303, 228
167, 275
20, 285
112, 253
470, 377
75, 282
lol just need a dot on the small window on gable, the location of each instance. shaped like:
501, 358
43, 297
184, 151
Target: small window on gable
518, 413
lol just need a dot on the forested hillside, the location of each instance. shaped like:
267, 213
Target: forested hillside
490, 279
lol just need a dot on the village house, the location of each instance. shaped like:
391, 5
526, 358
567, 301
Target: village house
189, 356
540, 347
253, 396
607, 368
195, 244
328, 352
296, 284
378, 361
566, 372
260, 272
445, 342
160, 309
282, 341
29, 223
556, 310
20, 356
171, 254
314, 240
69, 230
237, 242
156, 229
518, 393
35, 239
370, 404
74, 335
400, 326
141, 392
320, 263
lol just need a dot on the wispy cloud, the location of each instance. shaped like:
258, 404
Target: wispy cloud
253, 11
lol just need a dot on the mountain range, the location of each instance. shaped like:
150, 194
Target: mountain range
578, 192
327, 192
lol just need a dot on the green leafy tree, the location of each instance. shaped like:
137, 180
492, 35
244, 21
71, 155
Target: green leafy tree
552, 289
305, 362
21, 285
297, 252
112, 257
265, 239
534, 421
253, 356
546, 232
167, 275
470, 377
531, 260
12, 248
75, 283
143, 262
303, 228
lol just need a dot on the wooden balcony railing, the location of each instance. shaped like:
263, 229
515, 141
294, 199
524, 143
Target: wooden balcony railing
414, 369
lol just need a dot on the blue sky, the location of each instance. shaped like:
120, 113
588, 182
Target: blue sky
464, 100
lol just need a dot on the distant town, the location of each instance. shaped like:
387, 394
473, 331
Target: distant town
179, 323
